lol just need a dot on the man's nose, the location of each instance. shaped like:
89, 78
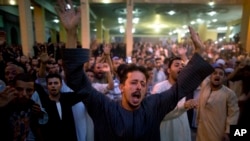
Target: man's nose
23, 93
138, 87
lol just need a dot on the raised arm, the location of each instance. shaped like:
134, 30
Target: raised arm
199, 46
188, 80
70, 19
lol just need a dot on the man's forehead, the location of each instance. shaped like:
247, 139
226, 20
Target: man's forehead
20, 83
135, 75
10, 68
53, 79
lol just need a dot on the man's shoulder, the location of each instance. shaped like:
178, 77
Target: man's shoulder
162, 83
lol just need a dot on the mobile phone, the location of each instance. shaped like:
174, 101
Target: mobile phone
2, 86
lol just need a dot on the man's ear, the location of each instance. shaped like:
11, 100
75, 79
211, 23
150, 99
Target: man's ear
168, 70
121, 86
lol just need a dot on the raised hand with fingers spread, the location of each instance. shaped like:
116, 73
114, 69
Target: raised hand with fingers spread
70, 18
199, 46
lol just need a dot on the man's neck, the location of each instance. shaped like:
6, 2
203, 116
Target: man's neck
171, 81
54, 98
215, 88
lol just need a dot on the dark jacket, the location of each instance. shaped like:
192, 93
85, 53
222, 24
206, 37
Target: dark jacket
111, 121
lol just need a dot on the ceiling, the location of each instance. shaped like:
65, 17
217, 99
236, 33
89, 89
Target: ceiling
146, 11
165, 23
154, 16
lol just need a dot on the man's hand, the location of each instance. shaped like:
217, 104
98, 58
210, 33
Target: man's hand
199, 46
44, 57
182, 51
105, 67
7, 96
70, 18
36, 110
190, 104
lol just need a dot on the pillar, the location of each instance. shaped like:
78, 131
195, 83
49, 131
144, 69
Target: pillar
26, 26
62, 33
85, 34
245, 26
180, 35
212, 34
202, 30
106, 36
228, 32
99, 32
129, 27
39, 24
53, 34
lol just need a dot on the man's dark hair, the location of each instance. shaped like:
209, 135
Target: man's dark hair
171, 60
132, 68
149, 69
158, 58
217, 66
53, 75
138, 59
89, 70
26, 77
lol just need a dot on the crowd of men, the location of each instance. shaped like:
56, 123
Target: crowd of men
167, 92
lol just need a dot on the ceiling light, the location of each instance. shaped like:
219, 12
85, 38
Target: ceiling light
222, 28
133, 30
214, 20
183, 35
56, 21
199, 20
136, 20
184, 26
157, 29
32, 7
192, 22
231, 35
212, 13
95, 29
68, 7
122, 30
12, 2
121, 20
171, 12
176, 31
211, 3
106, 1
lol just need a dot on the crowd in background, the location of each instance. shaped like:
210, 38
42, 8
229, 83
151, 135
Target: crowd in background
108, 60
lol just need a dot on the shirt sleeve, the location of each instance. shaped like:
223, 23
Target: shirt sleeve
188, 80
233, 111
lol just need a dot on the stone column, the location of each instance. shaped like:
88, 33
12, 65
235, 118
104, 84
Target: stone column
202, 30
85, 28
39, 23
245, 26
106, 36
26, 26
129, 27
99, 30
